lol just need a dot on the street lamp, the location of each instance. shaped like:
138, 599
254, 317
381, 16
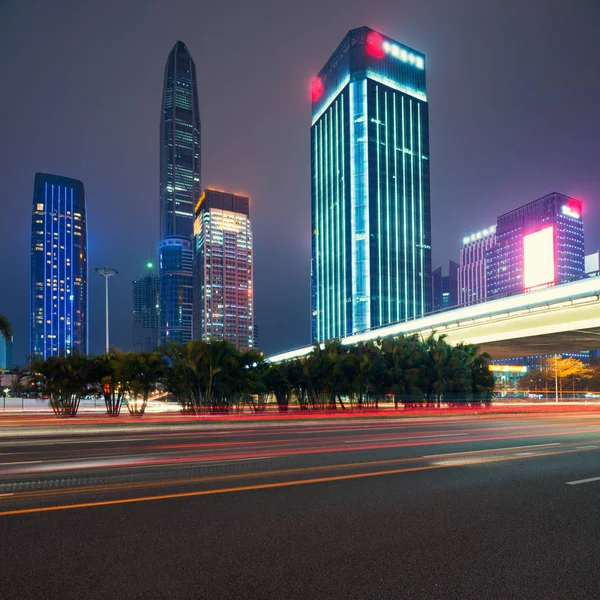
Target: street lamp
106, 272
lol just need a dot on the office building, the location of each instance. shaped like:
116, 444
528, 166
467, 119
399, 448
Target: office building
445, 287
472, 285
180, 187
6, 361
176, 289
537, 245
146, 311
179, 145
371, 238
59, 271
223, 274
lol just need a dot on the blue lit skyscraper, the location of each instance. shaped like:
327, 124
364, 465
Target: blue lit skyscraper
176, 291
59, 294
371, 242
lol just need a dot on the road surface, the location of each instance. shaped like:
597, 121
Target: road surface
475, 507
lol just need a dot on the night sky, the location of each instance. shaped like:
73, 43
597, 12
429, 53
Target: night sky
513, 88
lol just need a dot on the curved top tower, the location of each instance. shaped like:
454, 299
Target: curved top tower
179, 145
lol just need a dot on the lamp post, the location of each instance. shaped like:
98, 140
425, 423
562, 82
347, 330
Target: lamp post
106, 272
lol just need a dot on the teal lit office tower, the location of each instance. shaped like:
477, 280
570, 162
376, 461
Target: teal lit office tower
59, 273
176, 291
371, 224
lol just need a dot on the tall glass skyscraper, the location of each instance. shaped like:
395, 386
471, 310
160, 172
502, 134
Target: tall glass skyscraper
179, 145
59, 272
371, 240
146, 311
179, 191
176, 275
223, 294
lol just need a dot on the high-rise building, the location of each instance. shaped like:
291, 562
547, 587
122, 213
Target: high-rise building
472, 271
371, 234
146, 311
223, 282
537, 245
5, 358
445, 287
59, 272
176, 289
179, 145
179, 191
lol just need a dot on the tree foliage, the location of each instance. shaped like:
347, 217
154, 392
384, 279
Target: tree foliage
65, 380
213, 376
554, 372
6, 329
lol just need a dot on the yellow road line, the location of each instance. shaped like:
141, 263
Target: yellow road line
151, 483
262, 486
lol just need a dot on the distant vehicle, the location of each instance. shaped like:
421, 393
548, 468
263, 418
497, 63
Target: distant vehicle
535, 396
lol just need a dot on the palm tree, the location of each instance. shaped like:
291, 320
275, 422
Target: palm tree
65, 380
185, 374
143, 371
6, 329
107, 371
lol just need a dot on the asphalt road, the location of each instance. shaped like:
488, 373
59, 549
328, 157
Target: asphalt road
435, 508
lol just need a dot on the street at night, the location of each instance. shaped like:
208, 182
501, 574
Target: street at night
439, 507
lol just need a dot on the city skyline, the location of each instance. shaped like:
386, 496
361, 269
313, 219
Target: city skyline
461, 179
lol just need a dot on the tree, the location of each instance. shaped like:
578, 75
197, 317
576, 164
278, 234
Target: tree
185, 375
140, 373
65, 380
277, 381
6, 329
403, 357
212, 374
106, 373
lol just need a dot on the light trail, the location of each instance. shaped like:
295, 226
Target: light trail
325, 446
264, 486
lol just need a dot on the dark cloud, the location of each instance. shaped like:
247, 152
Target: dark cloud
513, 90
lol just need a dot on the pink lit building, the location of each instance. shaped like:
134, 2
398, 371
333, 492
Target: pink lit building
223, 280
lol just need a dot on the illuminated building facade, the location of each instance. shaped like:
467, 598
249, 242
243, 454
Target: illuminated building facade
176, 275
371, 234
223, 285
179, 145
59, 271
537, 245
6, 361
146, 311
472, 286
445, 287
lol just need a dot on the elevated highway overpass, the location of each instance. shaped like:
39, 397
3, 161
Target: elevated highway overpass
563, 318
